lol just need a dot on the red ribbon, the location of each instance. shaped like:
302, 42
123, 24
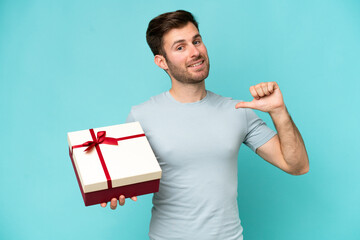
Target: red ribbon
101, 139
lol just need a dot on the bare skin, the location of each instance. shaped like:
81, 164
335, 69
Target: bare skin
113, 202
187, 64
286, 150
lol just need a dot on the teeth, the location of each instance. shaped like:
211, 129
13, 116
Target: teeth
197, 64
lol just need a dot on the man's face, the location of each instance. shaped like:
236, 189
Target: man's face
186, 55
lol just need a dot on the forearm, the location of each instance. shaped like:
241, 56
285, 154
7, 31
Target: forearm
291, 143
286, 150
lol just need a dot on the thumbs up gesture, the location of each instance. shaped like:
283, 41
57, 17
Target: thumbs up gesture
267, 98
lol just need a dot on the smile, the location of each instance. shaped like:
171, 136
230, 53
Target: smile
197, 64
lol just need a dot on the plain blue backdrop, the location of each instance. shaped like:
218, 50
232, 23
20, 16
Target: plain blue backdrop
73, 65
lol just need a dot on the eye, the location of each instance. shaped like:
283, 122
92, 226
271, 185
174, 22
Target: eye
179, 48
197, 42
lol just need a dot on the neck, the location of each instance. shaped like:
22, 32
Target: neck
187, 93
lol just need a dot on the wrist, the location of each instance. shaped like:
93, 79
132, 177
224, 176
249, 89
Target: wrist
278, 112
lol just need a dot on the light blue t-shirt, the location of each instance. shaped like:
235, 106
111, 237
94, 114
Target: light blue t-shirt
197, 145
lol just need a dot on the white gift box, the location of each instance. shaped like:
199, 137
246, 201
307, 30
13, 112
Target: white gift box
105, 171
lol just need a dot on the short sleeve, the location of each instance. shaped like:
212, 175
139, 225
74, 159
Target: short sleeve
258, 133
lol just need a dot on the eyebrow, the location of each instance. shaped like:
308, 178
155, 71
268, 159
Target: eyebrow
183, 40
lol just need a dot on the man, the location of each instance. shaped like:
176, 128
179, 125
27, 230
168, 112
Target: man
196, 135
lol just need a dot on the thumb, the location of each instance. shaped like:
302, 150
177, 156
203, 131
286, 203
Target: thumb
245, 105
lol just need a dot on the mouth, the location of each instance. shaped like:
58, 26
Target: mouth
197, 64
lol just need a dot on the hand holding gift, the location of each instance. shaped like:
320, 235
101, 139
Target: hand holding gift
113, 161
113, 203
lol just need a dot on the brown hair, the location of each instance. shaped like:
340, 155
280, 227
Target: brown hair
162, 24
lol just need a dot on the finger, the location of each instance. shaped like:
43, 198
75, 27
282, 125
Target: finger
245, 105
259, 90
254, 92
103, 204
122, 200
113, 203
271, 87
134, 198
265, 88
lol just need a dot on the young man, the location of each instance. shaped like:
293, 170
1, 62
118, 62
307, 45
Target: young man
196, 135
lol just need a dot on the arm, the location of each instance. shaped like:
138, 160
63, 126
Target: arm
285, 150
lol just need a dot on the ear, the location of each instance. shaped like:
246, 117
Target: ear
161, 62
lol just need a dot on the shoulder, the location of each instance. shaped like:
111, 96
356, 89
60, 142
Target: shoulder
218, 100
149, 106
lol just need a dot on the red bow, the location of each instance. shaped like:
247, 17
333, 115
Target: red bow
100, 139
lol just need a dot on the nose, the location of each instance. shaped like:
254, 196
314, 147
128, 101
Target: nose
194, 51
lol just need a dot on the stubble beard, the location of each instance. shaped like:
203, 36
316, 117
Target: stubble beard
184, 76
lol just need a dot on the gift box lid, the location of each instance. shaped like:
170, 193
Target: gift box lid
131, 161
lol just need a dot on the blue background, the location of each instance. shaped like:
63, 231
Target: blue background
72, 65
